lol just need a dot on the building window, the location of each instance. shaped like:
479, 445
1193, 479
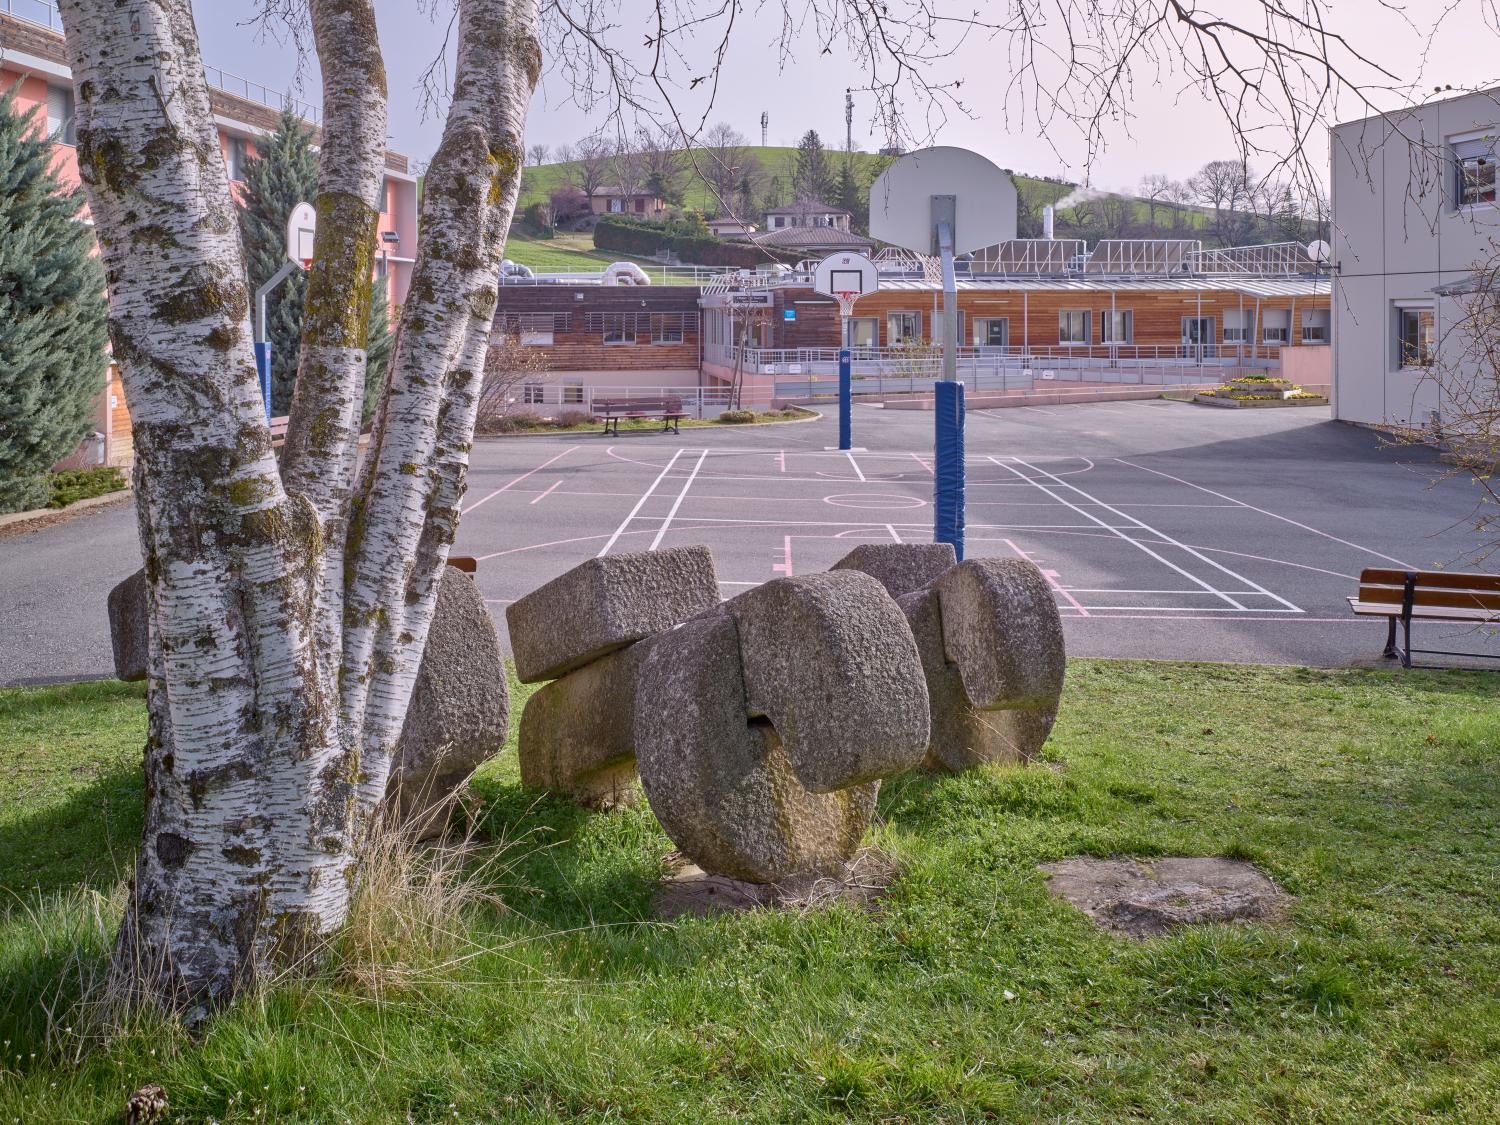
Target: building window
1073, 326
617, 206
940, 328
992, 332
616, 328
1315, 326
235, 152
1239, 325
572, 392
536, 337
667, 328
533, 394
60, 115
1117, 327
1475, 163
862, 332
903, 328
1276, 326
1416, 336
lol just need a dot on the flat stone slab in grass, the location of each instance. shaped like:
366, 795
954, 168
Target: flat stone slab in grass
688, 889
1147, 898
900, 567
605, 604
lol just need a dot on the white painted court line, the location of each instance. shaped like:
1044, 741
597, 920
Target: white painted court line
1164, 536
1264, 512
624, 523
508, 486
857, 470
892, 529
681, 496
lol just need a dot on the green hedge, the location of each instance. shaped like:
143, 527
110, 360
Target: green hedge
632, 236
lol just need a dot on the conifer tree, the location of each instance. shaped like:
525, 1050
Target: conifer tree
848, 194
812, 178
283, 174
53, 329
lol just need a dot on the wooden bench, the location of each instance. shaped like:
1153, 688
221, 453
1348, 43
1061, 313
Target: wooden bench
278, 432
1407, 595
611, 410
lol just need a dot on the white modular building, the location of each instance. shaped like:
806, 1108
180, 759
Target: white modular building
1414, 212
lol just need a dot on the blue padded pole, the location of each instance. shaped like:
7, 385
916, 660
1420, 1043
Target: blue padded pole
263, 368
846, 396
948, 472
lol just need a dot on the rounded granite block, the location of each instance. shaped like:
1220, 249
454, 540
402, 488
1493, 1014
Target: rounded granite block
127, 626
721, 784
991, 636
829, 659
1002, 629
578, 732
900, 567
605, 604
459, 710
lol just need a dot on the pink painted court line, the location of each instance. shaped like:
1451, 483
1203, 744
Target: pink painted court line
546, 494
508, 486
785, 566
1051, 577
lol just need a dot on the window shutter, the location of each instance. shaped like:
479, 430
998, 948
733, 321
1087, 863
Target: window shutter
1468, 150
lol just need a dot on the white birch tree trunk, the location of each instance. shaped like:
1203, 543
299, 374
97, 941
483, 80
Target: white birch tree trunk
283, 644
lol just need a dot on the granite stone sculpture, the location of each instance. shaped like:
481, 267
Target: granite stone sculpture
587, 631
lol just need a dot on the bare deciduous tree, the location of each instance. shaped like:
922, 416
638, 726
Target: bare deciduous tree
509, 364
537, 153
288, 603
590, 169
1227, 187
1154, 190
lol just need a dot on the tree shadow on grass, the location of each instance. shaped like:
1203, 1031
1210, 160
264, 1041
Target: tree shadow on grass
87, 839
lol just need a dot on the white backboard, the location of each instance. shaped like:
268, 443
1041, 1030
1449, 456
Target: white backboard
902, 206
301, 226
846, 273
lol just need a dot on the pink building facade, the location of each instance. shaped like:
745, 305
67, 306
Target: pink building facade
32, 55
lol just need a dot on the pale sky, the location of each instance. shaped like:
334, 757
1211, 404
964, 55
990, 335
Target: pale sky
1171, 132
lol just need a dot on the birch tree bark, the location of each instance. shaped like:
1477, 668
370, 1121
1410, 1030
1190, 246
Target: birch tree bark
261, 766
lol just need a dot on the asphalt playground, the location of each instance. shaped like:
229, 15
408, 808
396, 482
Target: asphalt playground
1167, 530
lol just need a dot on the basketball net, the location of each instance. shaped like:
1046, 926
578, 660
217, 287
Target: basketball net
306, 264
846, 299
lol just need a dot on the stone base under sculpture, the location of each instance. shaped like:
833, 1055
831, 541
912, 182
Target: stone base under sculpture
688, 889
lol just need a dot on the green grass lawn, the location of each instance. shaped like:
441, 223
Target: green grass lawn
970, 994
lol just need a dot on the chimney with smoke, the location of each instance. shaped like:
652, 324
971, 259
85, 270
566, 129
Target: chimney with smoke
1047, 221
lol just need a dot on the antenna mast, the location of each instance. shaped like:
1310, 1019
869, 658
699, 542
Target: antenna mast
848, 120
765, 124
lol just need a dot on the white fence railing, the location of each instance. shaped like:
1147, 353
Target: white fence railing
552, 399
1139, 364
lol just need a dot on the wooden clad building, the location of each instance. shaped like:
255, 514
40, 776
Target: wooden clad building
1046, 314
647, 335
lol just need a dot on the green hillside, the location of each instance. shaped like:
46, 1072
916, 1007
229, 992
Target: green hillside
540, 181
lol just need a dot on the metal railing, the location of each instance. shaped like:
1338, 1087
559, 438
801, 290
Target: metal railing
698, 402
44, 13
1104, 363
242, 87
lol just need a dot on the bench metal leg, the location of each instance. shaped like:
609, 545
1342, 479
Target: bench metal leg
1390, 652
1406, 651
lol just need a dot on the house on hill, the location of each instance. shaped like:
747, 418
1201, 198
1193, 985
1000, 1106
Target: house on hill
613, 200
731, 228
807, 213
812, 241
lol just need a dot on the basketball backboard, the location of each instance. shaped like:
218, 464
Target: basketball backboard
845, 273
913, 194
301, 227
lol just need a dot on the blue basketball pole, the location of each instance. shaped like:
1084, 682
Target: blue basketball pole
846, 396
263, 368
948, 471
948, 398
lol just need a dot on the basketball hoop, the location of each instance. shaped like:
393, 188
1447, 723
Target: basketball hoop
846, 299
